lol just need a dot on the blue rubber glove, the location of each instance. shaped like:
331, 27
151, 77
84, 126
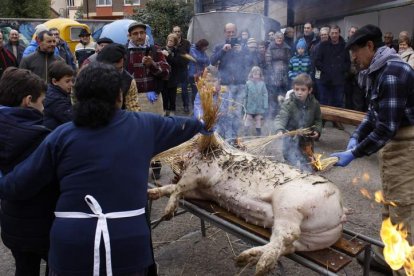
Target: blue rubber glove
206, 132
345, 157
152, 96
352, 144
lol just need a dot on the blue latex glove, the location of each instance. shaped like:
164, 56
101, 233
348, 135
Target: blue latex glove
152, 96
352, 144
345, 157
206, 132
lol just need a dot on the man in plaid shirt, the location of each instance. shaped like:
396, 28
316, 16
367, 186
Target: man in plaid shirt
388, 127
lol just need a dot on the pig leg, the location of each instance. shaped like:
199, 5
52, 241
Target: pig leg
188, 182
156, 193
286, 230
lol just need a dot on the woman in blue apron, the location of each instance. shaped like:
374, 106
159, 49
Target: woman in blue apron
101, 162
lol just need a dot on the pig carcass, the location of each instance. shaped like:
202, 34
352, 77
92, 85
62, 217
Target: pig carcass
304, 210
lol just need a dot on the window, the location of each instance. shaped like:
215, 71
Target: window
104, 2
132, 2
71, 3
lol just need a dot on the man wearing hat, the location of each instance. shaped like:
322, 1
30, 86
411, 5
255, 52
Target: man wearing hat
85, 48
100, 44
388, 127
149, 67
115, 54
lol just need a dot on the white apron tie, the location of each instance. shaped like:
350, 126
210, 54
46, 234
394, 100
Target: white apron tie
101, 229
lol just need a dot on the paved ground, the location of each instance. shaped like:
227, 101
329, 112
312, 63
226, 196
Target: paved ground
180, 249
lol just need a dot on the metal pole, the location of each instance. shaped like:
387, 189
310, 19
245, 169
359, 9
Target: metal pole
266, 8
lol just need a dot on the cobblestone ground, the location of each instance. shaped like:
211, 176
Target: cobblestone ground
181, 250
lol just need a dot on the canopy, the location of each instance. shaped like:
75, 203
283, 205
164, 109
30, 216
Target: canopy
118, 31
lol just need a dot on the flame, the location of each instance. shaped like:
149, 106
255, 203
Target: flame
397, 251
365, 193
365, 177
355, 181
316, 162
379, 198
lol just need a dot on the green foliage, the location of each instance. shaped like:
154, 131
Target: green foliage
25, 8
163, 15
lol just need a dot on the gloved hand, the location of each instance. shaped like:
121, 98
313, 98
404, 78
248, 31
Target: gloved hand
205, 131
152, 96
345, 157
352, 143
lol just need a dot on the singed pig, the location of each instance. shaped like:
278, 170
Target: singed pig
304, 210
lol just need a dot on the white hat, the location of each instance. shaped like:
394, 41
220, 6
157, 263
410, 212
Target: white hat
40, 28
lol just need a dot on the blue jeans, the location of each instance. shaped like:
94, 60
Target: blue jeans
332, 95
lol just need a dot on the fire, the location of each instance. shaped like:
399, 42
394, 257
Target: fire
318, 163
365, 177
379, 197
397, 251
365, 193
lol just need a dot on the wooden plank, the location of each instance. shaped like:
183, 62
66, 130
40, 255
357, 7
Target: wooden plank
342, 115
351, 247
327, 258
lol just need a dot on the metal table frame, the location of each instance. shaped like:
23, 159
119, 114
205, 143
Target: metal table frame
249, 237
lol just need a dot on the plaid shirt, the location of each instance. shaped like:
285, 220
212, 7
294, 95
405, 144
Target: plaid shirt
391, 107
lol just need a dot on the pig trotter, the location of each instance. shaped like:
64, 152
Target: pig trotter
172, 205
250, 256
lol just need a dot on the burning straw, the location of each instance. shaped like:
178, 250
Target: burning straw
211, 109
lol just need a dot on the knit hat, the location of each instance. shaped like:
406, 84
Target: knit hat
251, 42
301, 44
364, 34
111, 53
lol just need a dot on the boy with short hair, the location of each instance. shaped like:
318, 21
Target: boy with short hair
58, 105
300, 110
25, 224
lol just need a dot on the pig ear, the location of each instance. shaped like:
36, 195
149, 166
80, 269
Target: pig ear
267, 197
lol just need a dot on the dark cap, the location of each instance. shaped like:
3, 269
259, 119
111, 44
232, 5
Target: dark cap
104, 40
111, 53
84, 32
135, 24
364, 34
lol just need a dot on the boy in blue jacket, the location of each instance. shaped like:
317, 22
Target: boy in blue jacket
58, 105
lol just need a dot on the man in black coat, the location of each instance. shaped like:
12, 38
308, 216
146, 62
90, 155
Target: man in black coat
333, 61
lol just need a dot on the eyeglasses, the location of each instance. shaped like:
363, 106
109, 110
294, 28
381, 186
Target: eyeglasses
55, 34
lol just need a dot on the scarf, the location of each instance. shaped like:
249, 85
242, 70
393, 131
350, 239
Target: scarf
383, 55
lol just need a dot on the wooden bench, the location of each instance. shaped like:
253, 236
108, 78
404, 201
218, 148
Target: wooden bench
327, 261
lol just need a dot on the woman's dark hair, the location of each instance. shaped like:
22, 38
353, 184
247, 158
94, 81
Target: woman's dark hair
58, 70
201, 44
16, 84
97, 88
